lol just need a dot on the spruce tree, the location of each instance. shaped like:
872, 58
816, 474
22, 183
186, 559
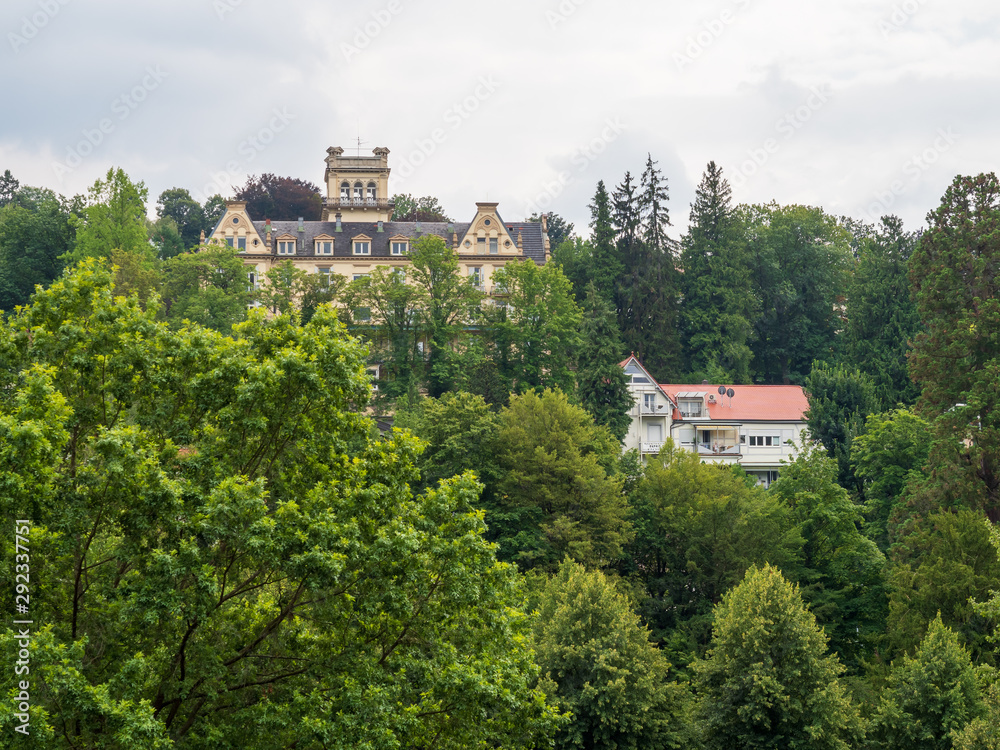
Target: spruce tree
606, 264
768, 681
647, 292
601, 383
719, 304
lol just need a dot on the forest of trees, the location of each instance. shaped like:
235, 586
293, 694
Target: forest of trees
226, 552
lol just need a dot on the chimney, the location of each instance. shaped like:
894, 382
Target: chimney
380, 226
520, 241
419, 230
302, 227
545, 223
454, 240
339, 229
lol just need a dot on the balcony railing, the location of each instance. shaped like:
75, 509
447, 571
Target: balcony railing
651, 447
718, 449
358, 203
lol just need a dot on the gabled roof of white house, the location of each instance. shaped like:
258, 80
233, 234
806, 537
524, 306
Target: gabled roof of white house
751, 403
632, 360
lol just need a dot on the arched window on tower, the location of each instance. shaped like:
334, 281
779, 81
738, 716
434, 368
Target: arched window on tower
370, 192
358, 192
345, 191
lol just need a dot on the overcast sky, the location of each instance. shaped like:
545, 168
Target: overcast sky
860, 107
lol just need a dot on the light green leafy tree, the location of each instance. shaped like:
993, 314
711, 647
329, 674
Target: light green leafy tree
114, 218
885, 459
842, 573
226, 556
560, 493
768, 681
210, 287
537, 329
698, 528
597, 662
930, 695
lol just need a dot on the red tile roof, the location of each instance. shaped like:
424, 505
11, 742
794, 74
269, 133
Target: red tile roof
774, 403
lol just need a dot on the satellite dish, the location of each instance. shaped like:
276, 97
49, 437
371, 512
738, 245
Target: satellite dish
730, 393
722, 390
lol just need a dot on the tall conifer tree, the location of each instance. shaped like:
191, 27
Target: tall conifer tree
601, 382
719, 305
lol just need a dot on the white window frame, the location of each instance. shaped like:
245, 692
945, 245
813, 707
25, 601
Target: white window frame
400, 247
320, 247
286, 247
356, 244
476, 274
494, 245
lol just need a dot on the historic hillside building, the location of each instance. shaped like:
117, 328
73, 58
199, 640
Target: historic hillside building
356, 235
758, 426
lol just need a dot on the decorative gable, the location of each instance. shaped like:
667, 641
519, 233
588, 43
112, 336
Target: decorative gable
487, 234
236, 230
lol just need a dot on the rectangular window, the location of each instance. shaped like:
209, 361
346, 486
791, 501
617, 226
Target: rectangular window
476, 274
399, 248
480, 245
324, 247
359, 276
363, 314
494, 245
324, 277
241, 244
286, 247
689, 409
654, 432
252, 279
229, 241
362, 248
762, 441
649, 401
400, 274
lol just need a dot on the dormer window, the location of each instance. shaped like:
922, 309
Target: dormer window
324, 247
400, 247
286, 247
362, 247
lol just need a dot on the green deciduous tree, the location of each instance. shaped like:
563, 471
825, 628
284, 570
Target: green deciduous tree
450, 302
601, 381
34, 233
209, 287
840, 400
881, 315
768, 681
957, 356
943, 565
408, 208
930, 696
537, 330
597, 662
799, 259
114, 218
187, 213
698, 528
842, 573
889, 455
226, 555
559, 495
394, 311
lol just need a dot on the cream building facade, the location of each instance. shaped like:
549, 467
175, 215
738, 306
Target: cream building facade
758, 426
356, 235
